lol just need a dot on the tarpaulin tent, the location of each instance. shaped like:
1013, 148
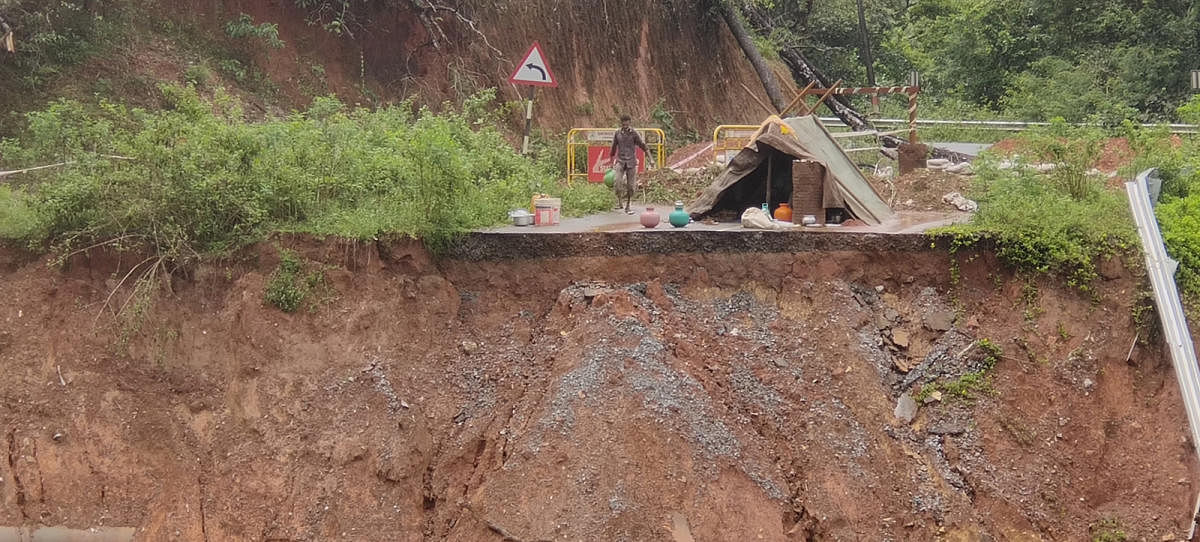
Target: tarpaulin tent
772, 149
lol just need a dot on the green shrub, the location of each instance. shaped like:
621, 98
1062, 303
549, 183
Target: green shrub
1108, 530
1180, 223
284, 289
52, 36
18, 220
200, 179
244, 27
1058, 222
197, 74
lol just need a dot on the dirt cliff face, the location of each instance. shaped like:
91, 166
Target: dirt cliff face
610, 57
718, 396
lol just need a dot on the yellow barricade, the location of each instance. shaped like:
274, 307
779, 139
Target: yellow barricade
595, 144
728, 140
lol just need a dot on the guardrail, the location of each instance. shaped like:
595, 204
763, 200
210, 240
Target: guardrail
1161, 269
1001, 125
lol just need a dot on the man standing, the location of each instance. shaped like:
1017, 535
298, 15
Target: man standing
624, 155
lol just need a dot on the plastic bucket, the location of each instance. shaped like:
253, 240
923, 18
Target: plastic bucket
546, 211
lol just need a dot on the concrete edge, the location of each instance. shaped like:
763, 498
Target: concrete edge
482, 246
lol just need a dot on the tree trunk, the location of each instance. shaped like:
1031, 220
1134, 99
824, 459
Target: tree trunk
804, 72
734, 20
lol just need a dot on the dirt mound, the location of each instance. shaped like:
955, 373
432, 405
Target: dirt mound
1114, 155
716, 396
920, 189
696, 155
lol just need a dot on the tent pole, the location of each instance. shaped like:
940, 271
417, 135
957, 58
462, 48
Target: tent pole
770, 162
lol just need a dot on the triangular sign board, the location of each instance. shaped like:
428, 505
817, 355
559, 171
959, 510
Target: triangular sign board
533, 70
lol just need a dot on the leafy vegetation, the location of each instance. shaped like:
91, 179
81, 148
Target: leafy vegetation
196, 178
1108, 530
1178, 211
1028, 59
289, 285
1059, 221
972, 383
244, 27
57, 35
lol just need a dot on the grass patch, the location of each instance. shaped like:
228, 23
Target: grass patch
971, 384
18, 220
1108, 530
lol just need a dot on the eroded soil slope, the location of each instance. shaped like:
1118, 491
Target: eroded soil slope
718, 396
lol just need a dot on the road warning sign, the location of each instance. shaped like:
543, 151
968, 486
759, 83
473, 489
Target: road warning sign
533, 70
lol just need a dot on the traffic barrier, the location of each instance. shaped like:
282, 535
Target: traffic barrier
728, 140
597, 144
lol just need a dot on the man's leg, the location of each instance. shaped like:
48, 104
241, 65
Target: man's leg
628, 179
633, 180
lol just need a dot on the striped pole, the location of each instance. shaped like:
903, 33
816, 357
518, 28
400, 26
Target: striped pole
528, 119
912, 116
842, 91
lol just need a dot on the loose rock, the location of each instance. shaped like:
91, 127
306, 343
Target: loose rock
906, 408
939, 320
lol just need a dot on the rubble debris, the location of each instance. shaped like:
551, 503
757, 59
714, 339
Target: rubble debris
906, 408
960, 202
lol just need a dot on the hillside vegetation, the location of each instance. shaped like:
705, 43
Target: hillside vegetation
234, 146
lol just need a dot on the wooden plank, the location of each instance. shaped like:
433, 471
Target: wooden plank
824, 97
756, 99
799, 97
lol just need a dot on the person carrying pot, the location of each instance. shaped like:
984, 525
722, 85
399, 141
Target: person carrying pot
624, 155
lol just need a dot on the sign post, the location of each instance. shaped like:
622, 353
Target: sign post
534, 72
1195, 79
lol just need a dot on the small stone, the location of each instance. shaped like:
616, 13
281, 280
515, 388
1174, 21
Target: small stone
58, 436
469, 348
973, 322
1088, 384
879, 289
589, 293
934, 397
906, 408
939, 320
947, 429
1167, 537
900, 338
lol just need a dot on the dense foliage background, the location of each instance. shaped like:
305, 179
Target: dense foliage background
1027, 59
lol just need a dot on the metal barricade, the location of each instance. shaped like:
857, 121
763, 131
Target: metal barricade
596, 144
728, 140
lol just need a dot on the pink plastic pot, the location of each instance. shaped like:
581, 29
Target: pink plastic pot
650, 219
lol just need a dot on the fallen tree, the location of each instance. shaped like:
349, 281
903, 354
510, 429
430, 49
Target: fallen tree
734, 20
805, 72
